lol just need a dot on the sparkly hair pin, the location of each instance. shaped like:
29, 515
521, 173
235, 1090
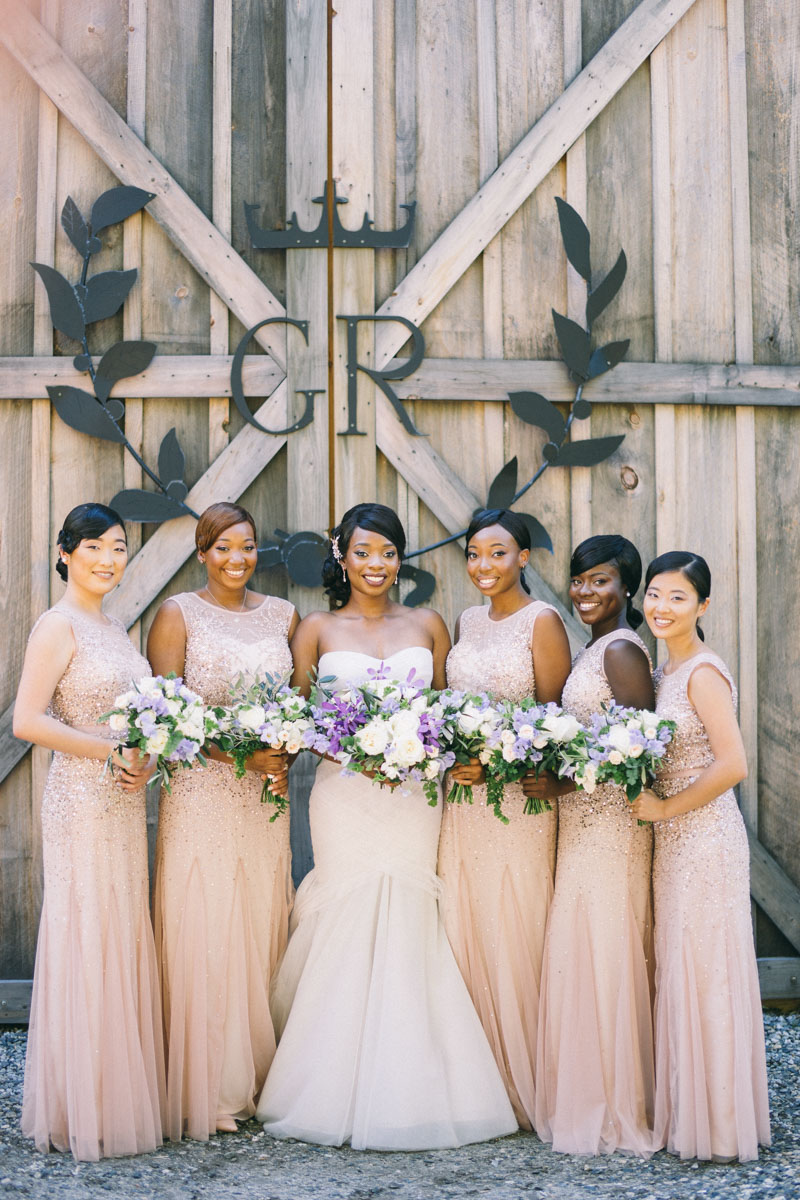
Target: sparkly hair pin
337, 554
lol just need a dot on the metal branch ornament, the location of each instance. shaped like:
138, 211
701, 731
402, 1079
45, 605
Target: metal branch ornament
73, 307
584, 364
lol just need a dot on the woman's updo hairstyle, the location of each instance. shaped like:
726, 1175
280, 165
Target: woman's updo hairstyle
616, 550
216, 519
377, 518
82, 523
512, 522
692, 566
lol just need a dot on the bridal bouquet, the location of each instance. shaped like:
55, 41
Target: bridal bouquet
625, 747
532, 737
390, 728
470, 720
161, 716
265, 713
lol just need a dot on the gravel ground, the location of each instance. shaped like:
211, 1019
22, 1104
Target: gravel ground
252, 1166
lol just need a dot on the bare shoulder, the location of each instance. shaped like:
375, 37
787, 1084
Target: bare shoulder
708, 684
169, 617
624, 652
431, 621
548, 620
51, 631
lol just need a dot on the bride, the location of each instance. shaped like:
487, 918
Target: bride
379, 1043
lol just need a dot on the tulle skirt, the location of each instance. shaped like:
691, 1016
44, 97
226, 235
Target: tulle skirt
379, 1044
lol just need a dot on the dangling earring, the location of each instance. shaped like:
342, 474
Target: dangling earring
337, 554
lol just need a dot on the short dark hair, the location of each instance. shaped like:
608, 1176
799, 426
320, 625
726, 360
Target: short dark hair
512, 522
616, 550
693, 566
377, 518
85, 521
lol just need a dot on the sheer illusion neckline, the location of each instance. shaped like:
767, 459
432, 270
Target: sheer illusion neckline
233, 612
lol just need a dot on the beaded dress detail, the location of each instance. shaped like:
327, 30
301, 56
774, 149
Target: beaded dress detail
222, 888
498, 878
94, 1072
711, 1080
594, 1070
380, 1045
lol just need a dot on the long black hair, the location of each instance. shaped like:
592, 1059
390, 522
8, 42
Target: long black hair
377, 518
693, 566
512, 522
616, 550
82, 522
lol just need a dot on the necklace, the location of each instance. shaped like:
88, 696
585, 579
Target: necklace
225, 608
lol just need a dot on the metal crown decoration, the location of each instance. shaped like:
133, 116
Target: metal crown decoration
293, 237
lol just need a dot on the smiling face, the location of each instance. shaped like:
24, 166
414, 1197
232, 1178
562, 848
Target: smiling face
372, 562
599, 595
495, 560
672, 607
96, 564
231, 559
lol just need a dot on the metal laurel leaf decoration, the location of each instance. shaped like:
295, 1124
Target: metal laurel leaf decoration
584, 363
75, 306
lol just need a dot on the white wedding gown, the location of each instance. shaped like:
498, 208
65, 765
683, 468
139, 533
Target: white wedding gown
379, 1044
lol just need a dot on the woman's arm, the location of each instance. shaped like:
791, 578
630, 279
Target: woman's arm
440, 649
551, 656
49, 653
628, 673
166, 642
305, 652
711, 699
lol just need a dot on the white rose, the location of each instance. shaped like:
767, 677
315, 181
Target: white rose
620, 739
561, 728
526, 731
125, 699
252, 718
635, 751
485, 756
407, 750
651, 732
432, 770
648, 718
156, 743
149, 687
405, 722
373, 738
293, 745
419, 704
508, 754
615, 757
507, 737
173, 707
468, 723
541, 741
118, 722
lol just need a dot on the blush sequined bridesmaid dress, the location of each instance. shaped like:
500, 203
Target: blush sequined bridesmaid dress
711, 1077
94, 1072
594, 1071
222, 889
498, 879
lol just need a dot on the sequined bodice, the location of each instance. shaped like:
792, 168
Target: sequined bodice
104, 664
495, 656
222, 645
587, 689
690, 747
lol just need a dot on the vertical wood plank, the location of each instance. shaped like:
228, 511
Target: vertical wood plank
745, 416
46, 221
132, 259
218, 407
307, 273
353, 153
664, 417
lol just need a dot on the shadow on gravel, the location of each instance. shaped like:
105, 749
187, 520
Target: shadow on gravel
250, 1166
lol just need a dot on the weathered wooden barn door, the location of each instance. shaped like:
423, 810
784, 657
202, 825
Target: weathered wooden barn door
662, 123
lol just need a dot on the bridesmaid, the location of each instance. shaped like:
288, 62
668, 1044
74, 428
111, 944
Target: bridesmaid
499, 878
222, 886
94, 1073
594, 1068
711, 1078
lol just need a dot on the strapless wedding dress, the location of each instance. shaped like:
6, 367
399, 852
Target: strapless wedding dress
379, 1043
